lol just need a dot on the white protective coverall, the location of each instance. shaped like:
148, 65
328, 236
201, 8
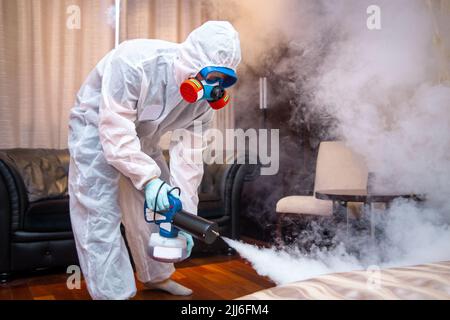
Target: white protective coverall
127, 103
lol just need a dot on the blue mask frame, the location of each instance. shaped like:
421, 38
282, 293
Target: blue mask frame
230, 79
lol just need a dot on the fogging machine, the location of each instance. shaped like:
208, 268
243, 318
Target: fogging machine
167, 245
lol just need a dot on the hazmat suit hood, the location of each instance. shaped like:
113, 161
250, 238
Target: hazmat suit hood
215, 43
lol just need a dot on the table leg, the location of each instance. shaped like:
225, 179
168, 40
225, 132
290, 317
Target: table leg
343, 211
338, 212
387, 205
372, 223
368, 214
346, 218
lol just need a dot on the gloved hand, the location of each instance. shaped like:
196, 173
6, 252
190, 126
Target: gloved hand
151, 191
189, 242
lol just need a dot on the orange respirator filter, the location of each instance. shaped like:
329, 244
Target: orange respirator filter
222, 102
191, 90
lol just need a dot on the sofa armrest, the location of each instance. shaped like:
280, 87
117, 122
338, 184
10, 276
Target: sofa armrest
43, 172
5, 226
236, 176
14, 193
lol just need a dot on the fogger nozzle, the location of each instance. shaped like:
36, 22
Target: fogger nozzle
202, 229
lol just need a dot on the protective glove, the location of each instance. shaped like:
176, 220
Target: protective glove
189, 242
152, 189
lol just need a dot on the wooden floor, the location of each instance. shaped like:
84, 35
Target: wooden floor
217, 277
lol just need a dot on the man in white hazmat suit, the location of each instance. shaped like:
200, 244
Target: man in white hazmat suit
127, 103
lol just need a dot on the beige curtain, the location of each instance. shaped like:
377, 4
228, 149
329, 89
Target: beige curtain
44, 57
440, 9
47, 48
170, 20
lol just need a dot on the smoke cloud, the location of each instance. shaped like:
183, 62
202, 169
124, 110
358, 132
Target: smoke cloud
385, 92
407, 234
389, 91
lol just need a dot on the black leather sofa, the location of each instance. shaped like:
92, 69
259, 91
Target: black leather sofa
35, 229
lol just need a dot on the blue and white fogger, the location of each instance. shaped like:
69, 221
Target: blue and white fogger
167, 245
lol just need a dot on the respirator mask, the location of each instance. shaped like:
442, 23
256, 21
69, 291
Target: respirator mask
211, 86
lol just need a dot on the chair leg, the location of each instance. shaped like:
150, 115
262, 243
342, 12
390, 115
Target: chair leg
279, 231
